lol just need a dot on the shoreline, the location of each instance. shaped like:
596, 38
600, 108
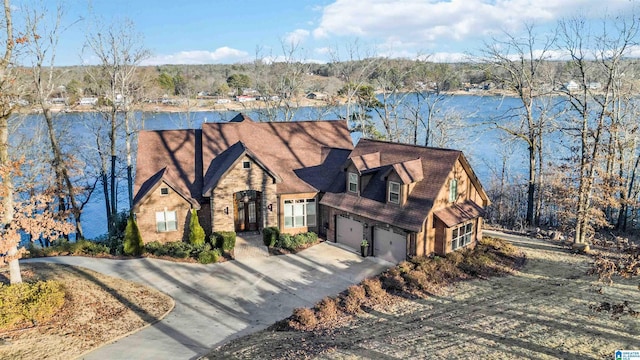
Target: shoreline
208, 105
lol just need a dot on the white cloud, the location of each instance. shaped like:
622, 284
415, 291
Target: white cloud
220, 55
414, 24
296, 37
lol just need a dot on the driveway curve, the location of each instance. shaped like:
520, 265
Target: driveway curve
219, 302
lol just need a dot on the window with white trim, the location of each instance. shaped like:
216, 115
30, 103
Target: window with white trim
166, 221
461, 236
299, 213
453, 190
353, 182
394, 192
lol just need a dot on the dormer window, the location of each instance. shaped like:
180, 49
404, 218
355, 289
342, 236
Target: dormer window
394, 192
164, 191
353, 183
453, 190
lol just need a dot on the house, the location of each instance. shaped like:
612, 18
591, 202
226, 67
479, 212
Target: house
303, 176
571, 86
316, 96
405, 200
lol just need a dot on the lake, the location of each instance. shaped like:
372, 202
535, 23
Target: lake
483, 145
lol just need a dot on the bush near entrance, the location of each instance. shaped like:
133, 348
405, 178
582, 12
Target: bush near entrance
225, 240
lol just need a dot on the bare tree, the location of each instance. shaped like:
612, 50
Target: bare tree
119, 51
42, 40
518, 62
593, 109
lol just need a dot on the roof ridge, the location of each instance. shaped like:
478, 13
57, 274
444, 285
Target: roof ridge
409, 145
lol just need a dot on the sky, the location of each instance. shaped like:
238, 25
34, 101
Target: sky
237, 31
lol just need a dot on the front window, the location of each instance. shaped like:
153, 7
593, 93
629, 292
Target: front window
394, 192
461, 236
299, 213
166, 221
353, 182
453, 190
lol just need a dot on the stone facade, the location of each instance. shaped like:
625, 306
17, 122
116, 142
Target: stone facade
240, 179
158, 202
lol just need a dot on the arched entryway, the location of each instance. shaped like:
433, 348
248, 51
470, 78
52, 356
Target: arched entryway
247, 210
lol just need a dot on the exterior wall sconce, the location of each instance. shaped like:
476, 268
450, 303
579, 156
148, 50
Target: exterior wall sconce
245, 197
226, 210
270, 207
366, 225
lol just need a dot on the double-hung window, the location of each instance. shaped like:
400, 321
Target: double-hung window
166, 221
299, 213
461, 236
353, 182
394, 192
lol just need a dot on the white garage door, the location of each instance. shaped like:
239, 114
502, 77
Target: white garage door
349, 232
389, 245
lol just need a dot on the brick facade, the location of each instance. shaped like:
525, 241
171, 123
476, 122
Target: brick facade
240, 179
156, 202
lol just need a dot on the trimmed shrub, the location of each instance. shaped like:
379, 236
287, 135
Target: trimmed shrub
327, 309
225, 240
29, 304
392, 280
155, 248
354, 299
196, 232
133, 244
286, 241
86, 247
178, 249
270, 236
373, 288
209, 256
303, 319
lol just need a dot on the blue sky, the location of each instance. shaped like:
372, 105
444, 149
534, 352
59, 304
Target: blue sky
230, 31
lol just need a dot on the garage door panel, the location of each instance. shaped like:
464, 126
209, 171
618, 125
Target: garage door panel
389, 246
349, 232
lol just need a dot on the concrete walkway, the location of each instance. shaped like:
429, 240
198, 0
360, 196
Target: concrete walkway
216, 303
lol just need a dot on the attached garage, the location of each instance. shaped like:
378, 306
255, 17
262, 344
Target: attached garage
349, 232
389, 246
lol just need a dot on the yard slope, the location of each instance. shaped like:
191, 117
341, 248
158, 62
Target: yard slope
540, 312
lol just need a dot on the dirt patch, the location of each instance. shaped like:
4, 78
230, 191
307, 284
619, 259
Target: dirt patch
541, 311
98, 309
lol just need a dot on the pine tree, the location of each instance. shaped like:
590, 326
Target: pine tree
133, 243
196, 232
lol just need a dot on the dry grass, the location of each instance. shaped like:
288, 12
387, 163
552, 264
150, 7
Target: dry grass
97, 310
541, 311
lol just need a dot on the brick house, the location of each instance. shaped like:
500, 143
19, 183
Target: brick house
307, 176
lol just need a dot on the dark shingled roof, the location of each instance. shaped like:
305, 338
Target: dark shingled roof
435, 166
458, 213
286, 148
295, 152
175, 151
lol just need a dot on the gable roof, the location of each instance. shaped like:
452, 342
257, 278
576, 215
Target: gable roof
223, 163
431, 165
153, 183
303, 156
287, 149
409, 171
458, 213
172, 156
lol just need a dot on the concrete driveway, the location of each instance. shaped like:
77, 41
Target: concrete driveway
216, 303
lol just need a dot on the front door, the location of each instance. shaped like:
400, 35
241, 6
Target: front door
247, 210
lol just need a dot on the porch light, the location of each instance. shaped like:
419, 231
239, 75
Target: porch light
226, 210
270, 207
245, 198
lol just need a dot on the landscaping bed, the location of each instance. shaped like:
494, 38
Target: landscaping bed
97, 309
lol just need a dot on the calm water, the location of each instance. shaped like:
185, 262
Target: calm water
482, 144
